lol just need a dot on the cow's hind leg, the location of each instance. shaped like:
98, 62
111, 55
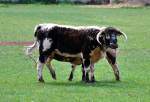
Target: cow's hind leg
72, 71
51, 70
112, 61
83, 73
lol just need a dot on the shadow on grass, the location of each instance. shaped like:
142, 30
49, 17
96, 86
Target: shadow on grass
102, 83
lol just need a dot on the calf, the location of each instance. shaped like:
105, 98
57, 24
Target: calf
76, 42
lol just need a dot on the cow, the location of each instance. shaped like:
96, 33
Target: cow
79, 43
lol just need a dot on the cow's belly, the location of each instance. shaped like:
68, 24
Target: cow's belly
68, 54
74, 59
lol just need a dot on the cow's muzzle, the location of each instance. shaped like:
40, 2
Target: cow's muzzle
113, 46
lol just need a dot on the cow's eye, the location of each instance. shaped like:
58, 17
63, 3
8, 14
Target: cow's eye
113, 36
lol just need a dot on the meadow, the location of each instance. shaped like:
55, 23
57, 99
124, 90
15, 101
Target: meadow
18, 82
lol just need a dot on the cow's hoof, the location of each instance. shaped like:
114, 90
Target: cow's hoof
87, 78
70, 77
54, 76
92, 81
83, 79
117, 78
41, 80
87, 81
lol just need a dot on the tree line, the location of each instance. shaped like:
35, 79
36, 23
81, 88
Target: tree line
76, 1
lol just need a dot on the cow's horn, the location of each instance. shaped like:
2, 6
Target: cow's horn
125, 36
99, 34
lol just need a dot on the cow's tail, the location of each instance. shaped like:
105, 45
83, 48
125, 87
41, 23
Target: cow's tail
29, 49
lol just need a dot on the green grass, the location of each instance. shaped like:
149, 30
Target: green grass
18, 81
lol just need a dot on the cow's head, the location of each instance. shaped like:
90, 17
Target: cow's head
108, 37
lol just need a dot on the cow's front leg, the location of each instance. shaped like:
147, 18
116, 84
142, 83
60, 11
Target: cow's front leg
112, 61
51, 70
92, 78
86, 63
40, 66
72, 71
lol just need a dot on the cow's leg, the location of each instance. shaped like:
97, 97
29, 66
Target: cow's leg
51, 70
72, 71
46, 47
86, 63
39, 71
112, 61
40, 65
83, 73
92, 73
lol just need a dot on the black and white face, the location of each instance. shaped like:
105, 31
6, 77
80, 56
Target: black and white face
110, 40
108, 37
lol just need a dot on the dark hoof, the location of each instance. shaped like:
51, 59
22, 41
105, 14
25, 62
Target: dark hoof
87, 77
54, 76
41, 80
92, 79
117, 78
87, 80
70, 77
83, 78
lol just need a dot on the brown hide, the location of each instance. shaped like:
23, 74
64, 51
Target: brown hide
96, 55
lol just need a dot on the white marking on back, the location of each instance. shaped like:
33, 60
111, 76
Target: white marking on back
47, 44
48, 26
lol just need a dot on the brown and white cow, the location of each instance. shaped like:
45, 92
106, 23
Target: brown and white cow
82, 44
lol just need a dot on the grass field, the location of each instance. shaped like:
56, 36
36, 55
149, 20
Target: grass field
18, 81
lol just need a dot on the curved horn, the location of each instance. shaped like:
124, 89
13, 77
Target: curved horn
125, 36
120, 32
99, 34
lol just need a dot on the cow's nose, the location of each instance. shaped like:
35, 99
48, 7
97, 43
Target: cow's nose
113, 46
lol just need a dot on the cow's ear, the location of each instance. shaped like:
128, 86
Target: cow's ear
114, 30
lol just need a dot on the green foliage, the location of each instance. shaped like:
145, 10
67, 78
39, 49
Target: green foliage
29, 1
18, 75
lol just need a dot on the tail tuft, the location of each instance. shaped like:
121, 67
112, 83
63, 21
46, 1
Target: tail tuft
31, 48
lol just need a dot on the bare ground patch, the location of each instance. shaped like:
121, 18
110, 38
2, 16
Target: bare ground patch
113, 6
15, 43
